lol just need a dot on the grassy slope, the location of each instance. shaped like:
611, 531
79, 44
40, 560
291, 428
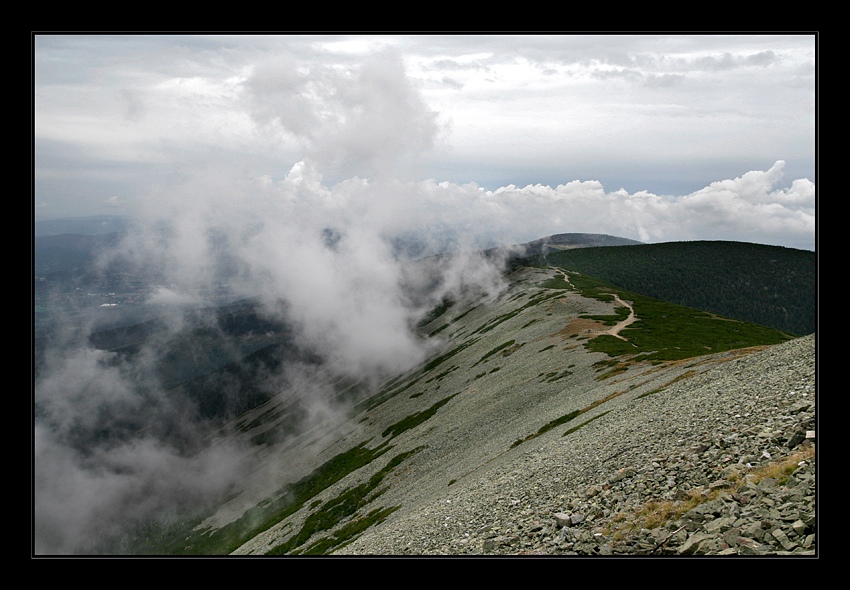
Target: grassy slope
768, 285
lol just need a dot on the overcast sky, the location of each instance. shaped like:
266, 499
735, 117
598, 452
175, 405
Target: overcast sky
283, 167
509, 138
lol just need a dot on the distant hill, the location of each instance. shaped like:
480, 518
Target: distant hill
66, 255
768, 285
93, 225
559, 242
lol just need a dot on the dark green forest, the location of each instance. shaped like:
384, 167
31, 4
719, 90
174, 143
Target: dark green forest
768, 285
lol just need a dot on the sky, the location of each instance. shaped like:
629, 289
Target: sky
290, 169
500, 138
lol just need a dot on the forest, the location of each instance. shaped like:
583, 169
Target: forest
768, 285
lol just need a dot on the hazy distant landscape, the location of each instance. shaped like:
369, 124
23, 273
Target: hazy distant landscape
291, 292
762, 284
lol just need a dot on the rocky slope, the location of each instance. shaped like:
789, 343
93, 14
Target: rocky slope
707, 440
511, 440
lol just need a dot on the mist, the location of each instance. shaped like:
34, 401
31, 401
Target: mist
339, 255
117, 444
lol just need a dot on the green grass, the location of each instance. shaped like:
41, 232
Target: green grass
553, 376
494, 351
463, 315
183, 538
438, 330
535, 299
441, 375
665, 331
547, 427
348, 532
334, 511
585, 423
385, 394
620, 313
556, 282
415, 419
432, 364
436, 312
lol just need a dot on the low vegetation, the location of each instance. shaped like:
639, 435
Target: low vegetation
556, 282
586, 422
487, 355
536, 299
185, 538
415, 419
332, 512
665, 331
432, 364
657, 513
547, 427
438, 310
554, 376
767, 285
662, 332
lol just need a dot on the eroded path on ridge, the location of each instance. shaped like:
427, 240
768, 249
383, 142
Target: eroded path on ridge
613, 330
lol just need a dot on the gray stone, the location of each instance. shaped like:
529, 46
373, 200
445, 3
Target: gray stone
562, 519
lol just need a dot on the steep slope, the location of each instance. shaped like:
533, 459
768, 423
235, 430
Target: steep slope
716, 463
554, 351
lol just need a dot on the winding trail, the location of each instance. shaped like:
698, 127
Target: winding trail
613, 330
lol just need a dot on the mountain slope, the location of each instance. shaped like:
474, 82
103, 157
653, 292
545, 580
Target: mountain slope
554, 351
768, 285
716, 463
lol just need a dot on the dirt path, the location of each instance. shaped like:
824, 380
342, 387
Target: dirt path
614, 330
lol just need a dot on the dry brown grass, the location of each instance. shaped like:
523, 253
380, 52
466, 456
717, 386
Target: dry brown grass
656, 513
781, 469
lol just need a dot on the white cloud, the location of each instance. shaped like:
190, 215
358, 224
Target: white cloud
522, 108
364, 120
285, 166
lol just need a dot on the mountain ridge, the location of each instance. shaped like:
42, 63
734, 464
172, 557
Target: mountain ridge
531, 378
508, 374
